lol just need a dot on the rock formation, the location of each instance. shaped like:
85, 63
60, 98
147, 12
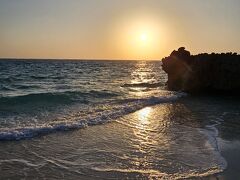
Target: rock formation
203, 72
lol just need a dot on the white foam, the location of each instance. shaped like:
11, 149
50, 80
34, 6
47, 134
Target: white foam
211, 132
125, 108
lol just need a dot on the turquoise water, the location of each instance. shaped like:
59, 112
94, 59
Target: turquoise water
106, 119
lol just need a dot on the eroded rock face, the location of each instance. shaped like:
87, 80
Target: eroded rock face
203, 72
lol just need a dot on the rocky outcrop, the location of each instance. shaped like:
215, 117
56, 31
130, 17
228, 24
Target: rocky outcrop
203, 72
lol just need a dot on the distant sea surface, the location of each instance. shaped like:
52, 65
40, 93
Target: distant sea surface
106, 119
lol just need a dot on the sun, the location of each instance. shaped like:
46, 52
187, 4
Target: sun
143, 37
140, 36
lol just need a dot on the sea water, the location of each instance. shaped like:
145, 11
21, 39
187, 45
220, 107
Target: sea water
104, 119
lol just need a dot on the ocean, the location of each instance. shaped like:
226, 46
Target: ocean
107, 120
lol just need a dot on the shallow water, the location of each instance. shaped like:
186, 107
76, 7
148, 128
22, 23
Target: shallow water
107, 120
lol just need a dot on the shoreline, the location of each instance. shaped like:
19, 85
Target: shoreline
114, 141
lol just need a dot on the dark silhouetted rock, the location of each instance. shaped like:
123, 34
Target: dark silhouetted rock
203, 72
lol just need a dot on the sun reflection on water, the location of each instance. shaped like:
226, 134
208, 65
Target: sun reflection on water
141, 76
143, 115
142, 73
151, 125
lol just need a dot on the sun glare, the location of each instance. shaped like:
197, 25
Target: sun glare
144, 114
140, 36
143, 37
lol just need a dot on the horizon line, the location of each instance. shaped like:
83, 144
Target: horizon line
80, 59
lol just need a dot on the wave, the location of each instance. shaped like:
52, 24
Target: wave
8, 79
16, 87
5, 88
147, 85
129, 106
155, 174
38, 77
55, 97
23, 87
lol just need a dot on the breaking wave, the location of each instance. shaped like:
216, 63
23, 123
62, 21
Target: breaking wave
54, 97
123, 108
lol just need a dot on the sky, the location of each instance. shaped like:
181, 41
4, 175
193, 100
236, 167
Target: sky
116, 29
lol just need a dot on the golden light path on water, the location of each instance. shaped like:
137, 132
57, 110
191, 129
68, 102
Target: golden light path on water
148, 131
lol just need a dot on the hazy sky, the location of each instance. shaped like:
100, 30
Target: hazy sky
117, 29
